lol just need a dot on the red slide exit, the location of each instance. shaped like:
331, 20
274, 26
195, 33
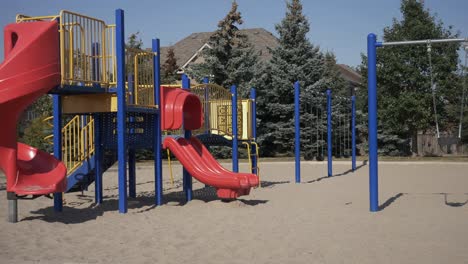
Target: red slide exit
31, 68
195, 157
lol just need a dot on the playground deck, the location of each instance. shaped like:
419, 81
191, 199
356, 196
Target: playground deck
323, 220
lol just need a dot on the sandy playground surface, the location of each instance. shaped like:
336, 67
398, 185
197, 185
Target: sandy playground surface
323, 220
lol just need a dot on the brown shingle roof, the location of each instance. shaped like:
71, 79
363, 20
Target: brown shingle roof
349, 74
260, 38
184, 49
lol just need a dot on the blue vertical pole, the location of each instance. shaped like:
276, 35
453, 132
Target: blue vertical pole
131, 173
353, 133
131, 152
98, 158
121, 111
329, 134
372, 112
253, 97
157, 123
95, 62
297, 126
235, 136
131, 88
57, 131
206, 81
97, 126
187, 179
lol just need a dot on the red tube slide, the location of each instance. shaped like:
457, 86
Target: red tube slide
202, 166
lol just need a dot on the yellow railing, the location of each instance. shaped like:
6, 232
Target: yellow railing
217, 106
144, 79
77, 141
87, 49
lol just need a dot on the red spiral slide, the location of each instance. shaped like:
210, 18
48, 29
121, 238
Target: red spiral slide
31, 68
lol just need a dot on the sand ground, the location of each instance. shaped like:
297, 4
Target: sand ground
424, 219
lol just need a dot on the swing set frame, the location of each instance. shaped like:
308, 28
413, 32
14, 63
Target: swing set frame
372, 45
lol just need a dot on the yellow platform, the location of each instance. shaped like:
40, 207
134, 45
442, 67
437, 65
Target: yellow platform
89, 103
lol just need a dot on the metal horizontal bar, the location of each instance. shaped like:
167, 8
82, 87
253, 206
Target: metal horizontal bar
426, 41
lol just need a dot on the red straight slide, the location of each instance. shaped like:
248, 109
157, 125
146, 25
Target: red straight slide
198, 161
31, 68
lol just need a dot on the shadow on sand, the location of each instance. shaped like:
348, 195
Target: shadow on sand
364, 163
390, 201
454, 204
445, 195
73, 215
271, 184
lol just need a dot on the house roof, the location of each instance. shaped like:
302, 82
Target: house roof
349, 74
186, 48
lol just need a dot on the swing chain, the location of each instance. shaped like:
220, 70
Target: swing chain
433, 87
460, 125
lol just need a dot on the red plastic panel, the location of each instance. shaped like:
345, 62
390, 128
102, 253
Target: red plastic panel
180, 107
31, 68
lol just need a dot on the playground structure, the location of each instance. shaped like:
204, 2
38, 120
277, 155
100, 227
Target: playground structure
341, 129
107, 103
372, 45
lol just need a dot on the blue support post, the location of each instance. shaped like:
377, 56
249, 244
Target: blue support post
187, 179
206, 81
329, 134
297, 126
95, 64
372, 112
57, 131
98, 155
253, 97
235, 136
131, 173
353, 133
121, 111
131, 152
131, 89
157, 126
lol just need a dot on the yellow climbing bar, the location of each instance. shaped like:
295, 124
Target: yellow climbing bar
170, 167
249, 155
257, 154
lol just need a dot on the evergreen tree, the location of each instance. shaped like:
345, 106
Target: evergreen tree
134, 41
332, 77
35, 133
170, 68
134, 44
41, 108
231, 58
404, 88
294, 59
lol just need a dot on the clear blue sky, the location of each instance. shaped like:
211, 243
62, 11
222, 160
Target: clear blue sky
340, 26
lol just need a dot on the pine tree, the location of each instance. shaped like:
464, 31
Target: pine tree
35, 132
404, 88
294, 59
332, 77
231, 58
170, 67
42, 107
